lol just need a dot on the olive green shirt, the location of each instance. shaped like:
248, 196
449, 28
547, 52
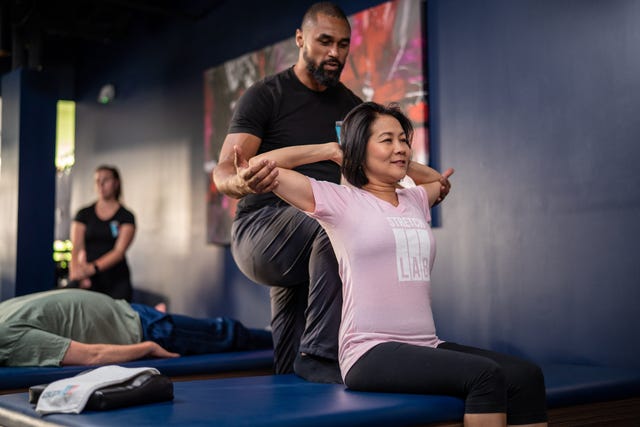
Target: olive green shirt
36, 329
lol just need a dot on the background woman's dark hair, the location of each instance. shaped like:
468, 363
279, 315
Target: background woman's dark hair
116, 176
355, 133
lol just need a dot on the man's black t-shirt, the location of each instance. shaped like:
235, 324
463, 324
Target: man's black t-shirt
284, 112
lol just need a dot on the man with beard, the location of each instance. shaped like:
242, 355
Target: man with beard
273, 243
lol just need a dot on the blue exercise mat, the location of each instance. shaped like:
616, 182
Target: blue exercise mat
13, 378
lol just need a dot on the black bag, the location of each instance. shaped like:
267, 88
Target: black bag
146, 387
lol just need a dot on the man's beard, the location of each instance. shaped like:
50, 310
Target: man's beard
328, 78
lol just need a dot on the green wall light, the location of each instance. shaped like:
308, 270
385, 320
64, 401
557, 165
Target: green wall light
65, 134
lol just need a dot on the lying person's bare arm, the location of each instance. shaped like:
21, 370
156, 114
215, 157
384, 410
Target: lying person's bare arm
98, 354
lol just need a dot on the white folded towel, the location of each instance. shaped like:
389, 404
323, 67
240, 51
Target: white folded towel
70, 395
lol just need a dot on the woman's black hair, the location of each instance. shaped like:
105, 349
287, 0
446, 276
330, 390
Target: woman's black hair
116, 176
355, 134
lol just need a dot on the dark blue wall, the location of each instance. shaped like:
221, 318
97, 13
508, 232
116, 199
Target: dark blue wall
533, 102
28, 182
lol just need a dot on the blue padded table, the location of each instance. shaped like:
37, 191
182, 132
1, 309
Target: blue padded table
286, 400
218, 364
275, 400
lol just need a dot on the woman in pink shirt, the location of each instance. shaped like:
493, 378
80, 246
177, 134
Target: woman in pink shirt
381, 234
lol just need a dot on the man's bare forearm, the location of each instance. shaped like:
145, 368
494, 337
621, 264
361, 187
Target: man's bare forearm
422, 174
294, 156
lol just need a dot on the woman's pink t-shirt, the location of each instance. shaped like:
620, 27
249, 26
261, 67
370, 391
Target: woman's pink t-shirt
385, 254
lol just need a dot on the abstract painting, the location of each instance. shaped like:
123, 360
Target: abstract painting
386, 63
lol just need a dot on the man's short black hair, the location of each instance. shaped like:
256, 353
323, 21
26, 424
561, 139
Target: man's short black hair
325, 8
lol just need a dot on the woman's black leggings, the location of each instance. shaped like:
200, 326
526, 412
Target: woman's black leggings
489, 382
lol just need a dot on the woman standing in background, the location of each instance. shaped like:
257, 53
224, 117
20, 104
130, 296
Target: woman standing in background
101, 233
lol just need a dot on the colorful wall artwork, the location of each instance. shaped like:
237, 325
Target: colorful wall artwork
386, 63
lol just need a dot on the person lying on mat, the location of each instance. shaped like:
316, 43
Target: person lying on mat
80, 327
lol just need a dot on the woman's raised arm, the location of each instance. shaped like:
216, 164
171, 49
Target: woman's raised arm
437, 185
